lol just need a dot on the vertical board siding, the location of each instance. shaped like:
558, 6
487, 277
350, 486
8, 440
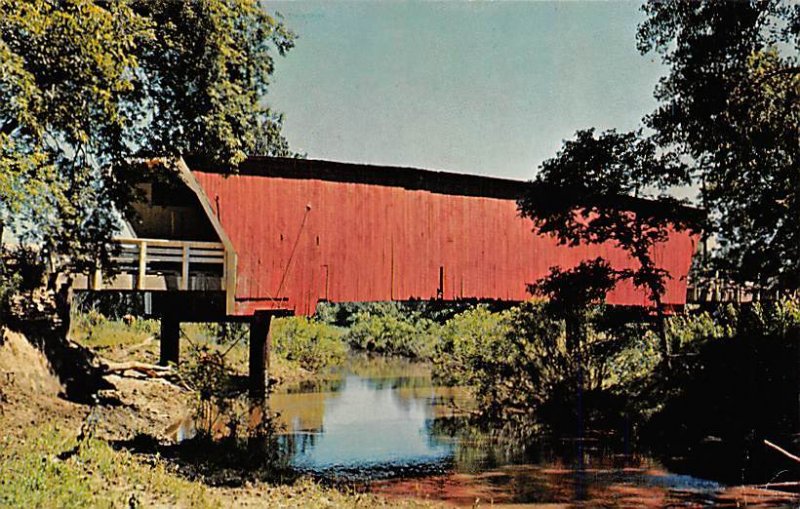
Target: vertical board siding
368, 242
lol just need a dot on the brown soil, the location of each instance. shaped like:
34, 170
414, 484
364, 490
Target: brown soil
29, 391
30, 395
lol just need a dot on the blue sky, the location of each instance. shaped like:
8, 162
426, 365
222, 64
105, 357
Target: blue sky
473, 87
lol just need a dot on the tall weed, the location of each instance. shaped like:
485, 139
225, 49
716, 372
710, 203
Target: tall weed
311, 343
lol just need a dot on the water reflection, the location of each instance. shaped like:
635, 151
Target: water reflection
366, 423
386, 424
368, 418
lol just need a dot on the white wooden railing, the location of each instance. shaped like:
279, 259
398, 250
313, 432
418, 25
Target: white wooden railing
148, 258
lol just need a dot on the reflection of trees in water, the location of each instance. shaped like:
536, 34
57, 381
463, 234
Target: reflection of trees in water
377, 367
480, 446
400, 382
294, 444
299, 412
301, 407
543, 469
475, 450
316, 385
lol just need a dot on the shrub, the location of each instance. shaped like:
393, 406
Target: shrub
522, 370
638, 355
511, 359
687, 330
466, 341
389, 330
219, 403
736, 380
313, 344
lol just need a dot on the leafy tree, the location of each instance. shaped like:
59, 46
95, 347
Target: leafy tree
591, 191
572, 293
731, 105
513, 359
523, 373
88, 86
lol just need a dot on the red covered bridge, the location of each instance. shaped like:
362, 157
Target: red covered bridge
284, 234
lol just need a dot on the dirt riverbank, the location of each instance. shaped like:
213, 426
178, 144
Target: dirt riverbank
48, 458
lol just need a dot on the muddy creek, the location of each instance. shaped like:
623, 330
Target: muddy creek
382, 424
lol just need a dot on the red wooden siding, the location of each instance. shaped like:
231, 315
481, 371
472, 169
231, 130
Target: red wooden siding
301, 240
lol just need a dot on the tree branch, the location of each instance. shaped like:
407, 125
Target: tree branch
151, 370
777, 72
782, 451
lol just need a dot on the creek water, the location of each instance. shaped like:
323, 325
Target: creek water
384, 426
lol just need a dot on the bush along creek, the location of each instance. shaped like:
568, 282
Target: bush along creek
495, 404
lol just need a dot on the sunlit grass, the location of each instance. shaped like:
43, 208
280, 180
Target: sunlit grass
97, 475
32, 475
96, 331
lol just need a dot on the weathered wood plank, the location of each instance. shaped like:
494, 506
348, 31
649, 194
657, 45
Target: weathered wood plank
142, 265
185, 269
165, 242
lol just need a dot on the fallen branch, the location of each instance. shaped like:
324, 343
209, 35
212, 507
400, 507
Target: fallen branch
181, 382
782, 451
137, 346
785, 484
151, 370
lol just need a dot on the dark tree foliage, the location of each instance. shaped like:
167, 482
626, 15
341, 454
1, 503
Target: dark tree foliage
87, 87
572, 292
730, 104
737, 381
590, 193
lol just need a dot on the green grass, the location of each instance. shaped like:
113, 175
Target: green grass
96, 331
32, 475
97, 475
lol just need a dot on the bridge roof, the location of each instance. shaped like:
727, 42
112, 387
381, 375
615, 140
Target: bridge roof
435, 181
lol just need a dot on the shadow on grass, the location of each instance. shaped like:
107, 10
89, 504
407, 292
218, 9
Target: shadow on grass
230, 462
237, 462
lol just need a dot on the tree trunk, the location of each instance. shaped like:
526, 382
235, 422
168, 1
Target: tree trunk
2, 249
574, 336
3, 277
666, 351
571, 334
63, 302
